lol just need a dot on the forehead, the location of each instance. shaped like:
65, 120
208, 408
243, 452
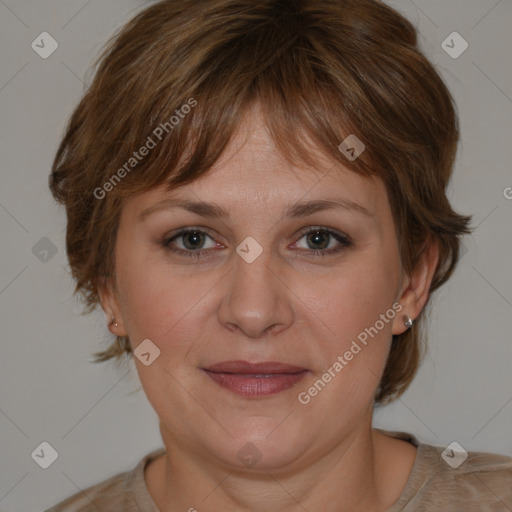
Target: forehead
252, 174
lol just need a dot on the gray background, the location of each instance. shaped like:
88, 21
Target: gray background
96, 416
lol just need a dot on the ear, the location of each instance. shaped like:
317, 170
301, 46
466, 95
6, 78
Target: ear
415, 289
110, 304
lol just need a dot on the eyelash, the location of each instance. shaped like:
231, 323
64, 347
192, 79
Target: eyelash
343, 240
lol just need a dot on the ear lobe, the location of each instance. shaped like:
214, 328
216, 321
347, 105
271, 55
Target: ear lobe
110, 305
416, 288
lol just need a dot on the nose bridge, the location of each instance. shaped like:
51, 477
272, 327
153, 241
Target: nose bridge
253, 277
256, 299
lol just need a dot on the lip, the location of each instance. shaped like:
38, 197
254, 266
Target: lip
247, 368
254, 380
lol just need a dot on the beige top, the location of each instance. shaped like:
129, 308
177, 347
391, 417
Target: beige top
482, 483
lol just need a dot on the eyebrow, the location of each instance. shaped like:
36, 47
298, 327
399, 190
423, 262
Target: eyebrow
292, 210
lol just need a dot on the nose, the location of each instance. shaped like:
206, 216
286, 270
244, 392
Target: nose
257, 300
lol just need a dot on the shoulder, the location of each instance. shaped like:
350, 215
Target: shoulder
450, 478
103, 496
458, 465
474, 481
125, 491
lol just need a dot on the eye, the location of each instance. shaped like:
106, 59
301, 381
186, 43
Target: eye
318, 240
192, 240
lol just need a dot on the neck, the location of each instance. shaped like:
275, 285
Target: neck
365, 471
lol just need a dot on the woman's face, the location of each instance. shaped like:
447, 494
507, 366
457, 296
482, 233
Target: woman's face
283, 305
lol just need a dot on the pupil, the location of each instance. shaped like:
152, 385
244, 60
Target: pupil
317, 237
196, 236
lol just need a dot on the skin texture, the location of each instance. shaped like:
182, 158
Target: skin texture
285, 306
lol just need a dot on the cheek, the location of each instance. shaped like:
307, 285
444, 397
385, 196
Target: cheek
162, 307
357, 295
146, 292
359, 309
144, 304
160, 304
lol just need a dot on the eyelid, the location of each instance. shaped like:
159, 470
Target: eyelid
187, 229
327, 229
209, 232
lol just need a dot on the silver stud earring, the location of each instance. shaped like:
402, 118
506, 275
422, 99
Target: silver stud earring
114, 323
408, 321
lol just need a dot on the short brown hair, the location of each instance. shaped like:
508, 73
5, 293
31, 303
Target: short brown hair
320, 69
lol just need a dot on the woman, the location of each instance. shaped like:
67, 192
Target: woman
255, 195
